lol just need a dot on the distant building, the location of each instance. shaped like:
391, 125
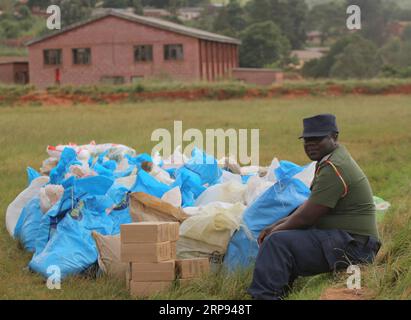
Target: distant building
187, 14
262, 77
156, 13
308, 54
396, 28
14, 70
118, 47
314, 37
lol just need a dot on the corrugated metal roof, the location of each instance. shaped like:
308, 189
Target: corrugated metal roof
150, 21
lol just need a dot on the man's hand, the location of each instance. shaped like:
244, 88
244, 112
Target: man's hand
269, 230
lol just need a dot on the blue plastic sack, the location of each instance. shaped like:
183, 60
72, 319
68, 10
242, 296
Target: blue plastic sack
31, 174
275, 203
241, 251
205, 166
72, 248
28, 224
190, 186
74, 191
148, 184
68, 158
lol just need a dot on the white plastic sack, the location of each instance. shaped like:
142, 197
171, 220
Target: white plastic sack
249, 170
214, 225
270, 172
256, 186
307, 175
173, 197
49, 196
161, 175
127, 182
227, 176
176, 160
14, 209
230, 192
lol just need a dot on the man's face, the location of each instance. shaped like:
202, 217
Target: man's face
318, 147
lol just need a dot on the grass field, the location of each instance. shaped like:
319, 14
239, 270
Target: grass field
376, 130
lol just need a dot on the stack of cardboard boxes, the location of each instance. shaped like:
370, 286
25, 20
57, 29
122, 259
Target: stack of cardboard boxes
149, 248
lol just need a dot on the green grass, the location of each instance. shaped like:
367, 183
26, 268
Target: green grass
374, 129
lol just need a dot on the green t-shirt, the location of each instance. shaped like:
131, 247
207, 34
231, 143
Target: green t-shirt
355, 212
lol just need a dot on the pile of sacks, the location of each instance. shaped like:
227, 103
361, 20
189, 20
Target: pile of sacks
92, 189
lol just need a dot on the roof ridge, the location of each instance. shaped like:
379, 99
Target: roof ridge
154, 22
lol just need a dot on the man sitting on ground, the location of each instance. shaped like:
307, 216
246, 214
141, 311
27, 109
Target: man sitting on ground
334, 228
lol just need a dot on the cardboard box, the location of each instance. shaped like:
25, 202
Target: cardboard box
174, 229
146, 252
174, 250
161, 271
192, 268
148, 288
128, 277
148, 232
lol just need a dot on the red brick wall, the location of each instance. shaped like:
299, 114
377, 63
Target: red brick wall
111, 40
6, 73
258, 76
217, 60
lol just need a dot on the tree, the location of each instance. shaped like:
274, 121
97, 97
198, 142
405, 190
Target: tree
38, 3
115, 4
289, 15
230, 19
375, 15
137, 6
10, 29
320, 68
328, 18
359, 59
262, 44
73, 11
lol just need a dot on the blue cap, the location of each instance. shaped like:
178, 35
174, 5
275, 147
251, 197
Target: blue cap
319, 126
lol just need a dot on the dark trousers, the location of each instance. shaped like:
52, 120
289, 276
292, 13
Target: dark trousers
285, 255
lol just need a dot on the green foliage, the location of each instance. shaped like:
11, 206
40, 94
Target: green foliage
73, 11
359, 59
230, 20
290, 16
262, 43
328, 18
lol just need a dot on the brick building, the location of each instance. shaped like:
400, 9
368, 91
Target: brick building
14, 70
118, 47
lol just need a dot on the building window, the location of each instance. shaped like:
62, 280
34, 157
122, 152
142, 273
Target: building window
112, 80
52, 57
143, 53
173, 52
81, 56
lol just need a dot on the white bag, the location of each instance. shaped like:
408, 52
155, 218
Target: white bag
173, 197
307, 175
227, 176
214, 225
230, 192
161, 175
176, 160
14, 209
49, 196
256, 186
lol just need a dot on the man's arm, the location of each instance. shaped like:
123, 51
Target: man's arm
304, 217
